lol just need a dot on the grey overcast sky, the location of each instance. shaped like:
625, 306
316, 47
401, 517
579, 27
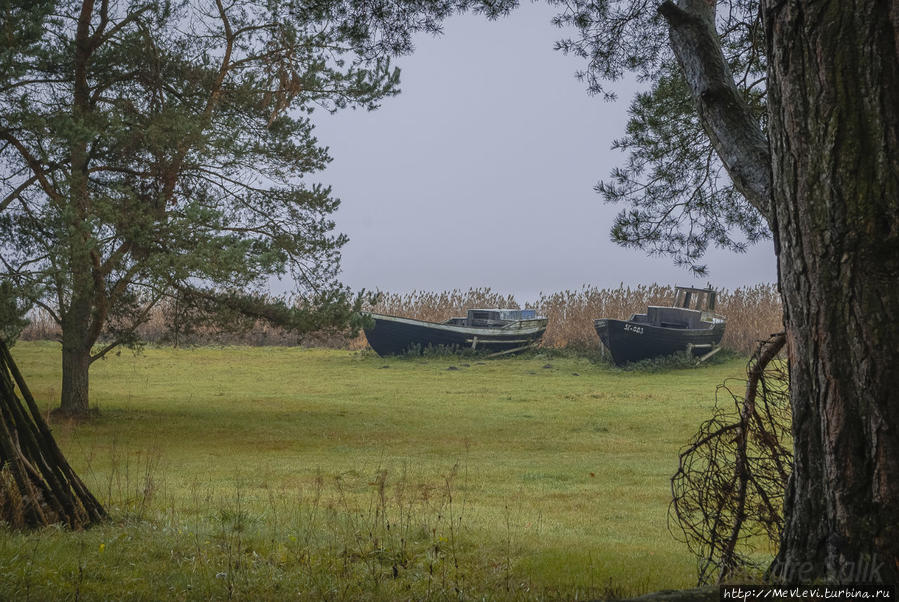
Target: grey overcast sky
481, 173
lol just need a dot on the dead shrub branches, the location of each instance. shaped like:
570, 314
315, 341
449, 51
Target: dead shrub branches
729, 488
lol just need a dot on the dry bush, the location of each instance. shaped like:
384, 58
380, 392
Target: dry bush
436, 307
40, 327
728, 491
157, 329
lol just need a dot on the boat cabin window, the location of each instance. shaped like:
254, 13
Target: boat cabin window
702, 299
498, 317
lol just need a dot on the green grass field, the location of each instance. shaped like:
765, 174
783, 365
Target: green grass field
287, 473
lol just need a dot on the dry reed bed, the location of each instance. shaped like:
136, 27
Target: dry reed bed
753, 312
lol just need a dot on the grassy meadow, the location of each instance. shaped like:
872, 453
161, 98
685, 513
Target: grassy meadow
288, 473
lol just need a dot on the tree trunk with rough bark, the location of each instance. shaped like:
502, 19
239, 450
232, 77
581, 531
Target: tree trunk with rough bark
78, 338
829, 187
834, 131
79, 330
76, 361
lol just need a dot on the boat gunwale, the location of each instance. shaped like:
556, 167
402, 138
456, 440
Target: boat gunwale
463, 329
711, 326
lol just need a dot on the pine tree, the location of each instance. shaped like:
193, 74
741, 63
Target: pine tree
158, 151
780, 117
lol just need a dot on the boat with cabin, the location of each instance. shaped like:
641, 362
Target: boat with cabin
496, 331
690, 325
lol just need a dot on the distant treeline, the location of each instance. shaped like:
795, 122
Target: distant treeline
753, 313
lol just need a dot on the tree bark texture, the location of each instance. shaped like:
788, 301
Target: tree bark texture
833, 163
78, 339
76, 361
834, 134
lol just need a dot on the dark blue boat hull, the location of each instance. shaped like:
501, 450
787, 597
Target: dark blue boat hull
396, 336
634, 341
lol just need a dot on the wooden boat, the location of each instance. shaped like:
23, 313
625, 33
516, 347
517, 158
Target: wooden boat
491, 330
689, 325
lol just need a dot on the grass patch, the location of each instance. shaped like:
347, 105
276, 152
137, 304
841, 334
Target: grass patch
272, 473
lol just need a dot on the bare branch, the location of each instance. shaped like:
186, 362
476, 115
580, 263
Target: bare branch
98, 41
15, 193
36, 168
731, 479
104, 351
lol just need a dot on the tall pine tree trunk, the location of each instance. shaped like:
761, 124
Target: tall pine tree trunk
78, 332
828, 183
834, 131
75, 377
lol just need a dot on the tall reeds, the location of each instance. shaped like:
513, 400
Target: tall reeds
753, 313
